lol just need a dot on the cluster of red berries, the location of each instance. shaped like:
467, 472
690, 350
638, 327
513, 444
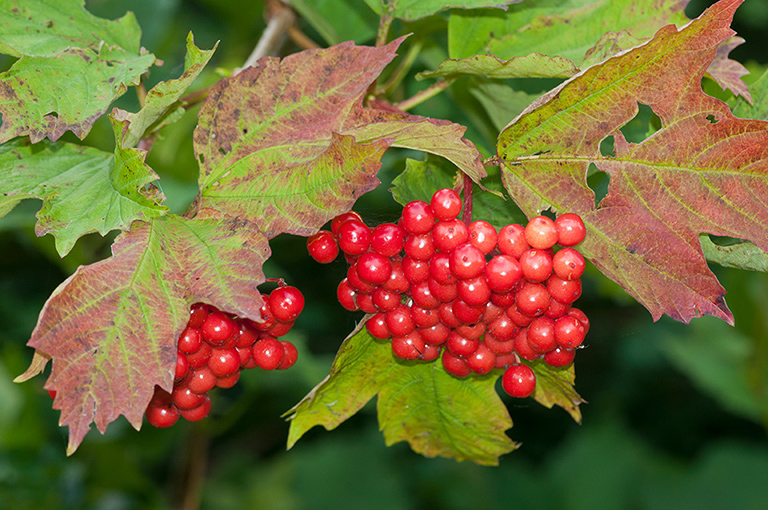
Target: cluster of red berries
215, 347
478, 298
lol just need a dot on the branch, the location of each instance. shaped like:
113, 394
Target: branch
423, 95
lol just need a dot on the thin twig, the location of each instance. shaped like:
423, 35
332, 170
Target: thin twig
423, 95
301, 39
466, 212
273, 36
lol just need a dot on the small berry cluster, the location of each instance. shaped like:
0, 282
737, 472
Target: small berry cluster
477, 298
215, 347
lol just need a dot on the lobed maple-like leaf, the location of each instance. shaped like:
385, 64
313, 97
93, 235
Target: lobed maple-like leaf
533, 65
704, 170
438, 414
83, 189
289, 145
72, 65
111, 327
162, 97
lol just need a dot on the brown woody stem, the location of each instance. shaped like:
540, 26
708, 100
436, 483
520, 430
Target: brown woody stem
466, 212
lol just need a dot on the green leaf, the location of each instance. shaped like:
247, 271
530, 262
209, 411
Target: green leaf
703, 171
502, 103
533, 65
111, 327
743, 255
288, 143
554, 386
356, 21
72, 67
572, 29
438, 414
44, 28
83, 189
759, 108
411, 10
163, 96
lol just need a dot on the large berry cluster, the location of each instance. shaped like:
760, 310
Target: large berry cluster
215, 347
478, 298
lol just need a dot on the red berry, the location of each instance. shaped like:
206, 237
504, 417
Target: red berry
385, 300
397, 281
502, 273
523, 348
365, 302
358, 283
227, 381
449, 234
581, 316
224, 362
512, 240
492, 312
246, 360
423, 317
520, 319
506, 360
445, 204
419, 247
536, 265
354, 237
199, 412
346, 295
483, 235
466, 313
436, 334
503, 299
569, 332
342, 218
443, 292
568, 264
280, 329
409, 346
471, 331
199, 358
182, 366
532, 299
387, 239
518, 381
197, 315
565, 291
455, 365
202, 380
377, 326
467, 261
556, 309
190, 340
541, 233
162, 416
399, 321
422, 296
431, 352
268, 319
184, 398
268, 352
217, 328
417, 217
440, 268
541, 334
503, 328
415, 271
447, 317
482, 361
461, 345
474, 291
286, 303
323, 247
246, 333
499, 346
570, 229
560, 357
290, 356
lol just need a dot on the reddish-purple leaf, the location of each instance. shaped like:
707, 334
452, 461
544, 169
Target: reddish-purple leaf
111, 328
288, 144
704, 170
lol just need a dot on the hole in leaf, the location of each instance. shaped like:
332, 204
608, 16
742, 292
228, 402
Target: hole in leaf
201, 158
245, 131
49, 24
642, 125
53, 114
606, 147
712, 119
222, 151
598, 181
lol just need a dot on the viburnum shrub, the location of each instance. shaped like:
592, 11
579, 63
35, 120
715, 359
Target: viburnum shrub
472, 288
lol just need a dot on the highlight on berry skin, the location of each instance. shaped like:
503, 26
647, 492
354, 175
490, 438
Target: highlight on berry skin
472, 297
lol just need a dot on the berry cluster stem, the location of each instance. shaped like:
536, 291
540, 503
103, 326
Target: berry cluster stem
466, 212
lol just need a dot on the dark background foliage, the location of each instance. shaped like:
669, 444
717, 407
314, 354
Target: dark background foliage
677, 415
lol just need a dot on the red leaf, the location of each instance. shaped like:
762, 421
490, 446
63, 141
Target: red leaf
111, 327
289, 143
703, 171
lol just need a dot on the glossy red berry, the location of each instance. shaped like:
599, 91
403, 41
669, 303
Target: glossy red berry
323, 247
460, 345
385, 300
569, 332
199, 358
448, 234
541, 334
419, 247
387, 239
565, 291
346, 295
474, 291
440, 268
512, 241
445, 204
397, 282
268, 353
202, 380
532, 299
454, 365
342, 218
467, 261
190, 340
409, 346
199, 412
224, 362
568, 264
415, 271
518, 381
483, 235
162, 416
570, 229
399, 321
523, 348
286, 303
417, 217
377, 326
541, 233
581, 316
197, 315
182, 366
502, 272
373, 268
560, 357
354, 237
217, 328
536, 265
184, 398
436, 334
290, 356
482, 361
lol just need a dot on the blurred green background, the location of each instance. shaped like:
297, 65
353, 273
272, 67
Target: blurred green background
677, 415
